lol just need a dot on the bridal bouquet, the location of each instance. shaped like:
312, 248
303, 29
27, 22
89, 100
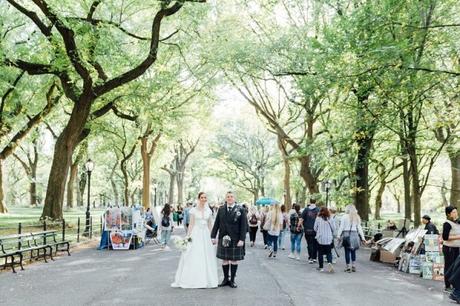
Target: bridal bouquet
182, 244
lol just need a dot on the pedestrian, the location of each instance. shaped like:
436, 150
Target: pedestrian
451, 242
273, 225
429, 226
308, 219
284, 228
325, 229
263, 218
296, 230
186, 215
180, 215
166, 225
351, 234
334, 220
231, 222
253, 222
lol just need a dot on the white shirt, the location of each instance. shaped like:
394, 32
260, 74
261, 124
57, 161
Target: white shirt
346, 225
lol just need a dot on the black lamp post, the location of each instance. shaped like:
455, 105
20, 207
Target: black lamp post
89, 166
327, 185
155, 194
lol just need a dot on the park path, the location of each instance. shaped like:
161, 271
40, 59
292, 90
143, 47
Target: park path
143, 277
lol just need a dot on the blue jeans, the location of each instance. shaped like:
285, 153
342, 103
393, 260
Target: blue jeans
165, 236
273, 242
281, 238
350, 253
296, 241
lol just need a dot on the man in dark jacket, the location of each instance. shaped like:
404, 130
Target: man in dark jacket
430, 227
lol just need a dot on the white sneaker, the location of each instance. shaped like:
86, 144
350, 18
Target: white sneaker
291, 256
310, 261
297, 258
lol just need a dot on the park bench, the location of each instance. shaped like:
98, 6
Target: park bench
37, 245
14, 246
49, 238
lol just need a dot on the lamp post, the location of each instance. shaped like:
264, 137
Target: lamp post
327, 185
89, 166
155, 194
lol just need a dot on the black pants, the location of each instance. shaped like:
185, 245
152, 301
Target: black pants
324, 250
312, 246
252, 233
265, 235
450, 254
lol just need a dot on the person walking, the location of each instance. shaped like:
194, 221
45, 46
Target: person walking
273, 226
325, 229
296, 232
166, 225
186, 214
263, 219
308, 219
451, 242
284, 227
351, 234
253, 222
180, 216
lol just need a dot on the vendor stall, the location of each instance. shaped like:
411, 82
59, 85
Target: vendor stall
124, 228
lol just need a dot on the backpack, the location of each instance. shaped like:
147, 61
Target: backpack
253, 220
165, 222
294, 220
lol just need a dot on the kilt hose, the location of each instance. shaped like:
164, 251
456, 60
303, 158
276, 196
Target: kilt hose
232, 252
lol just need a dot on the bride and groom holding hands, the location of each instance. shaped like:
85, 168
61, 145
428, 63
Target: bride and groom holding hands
198, 263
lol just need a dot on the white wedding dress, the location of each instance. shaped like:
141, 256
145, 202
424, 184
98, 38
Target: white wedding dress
198, 263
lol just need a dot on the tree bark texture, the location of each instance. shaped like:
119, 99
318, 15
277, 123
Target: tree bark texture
3, 208
455, 185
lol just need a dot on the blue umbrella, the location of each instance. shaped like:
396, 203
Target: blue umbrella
267, 201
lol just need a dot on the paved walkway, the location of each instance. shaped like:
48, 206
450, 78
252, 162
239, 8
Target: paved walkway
143, 277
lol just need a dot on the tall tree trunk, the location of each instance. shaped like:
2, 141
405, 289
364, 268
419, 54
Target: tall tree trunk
407, 187
180, 189
62, 159
3, 209
172, 182
305, 172
147, 154
81, 189
303, 195
71, 184
287, 173
378, 199
362, 176
455, 185
33, 185
145, 176
125, 186
415, 191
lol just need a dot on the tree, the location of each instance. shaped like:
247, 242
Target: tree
76, 43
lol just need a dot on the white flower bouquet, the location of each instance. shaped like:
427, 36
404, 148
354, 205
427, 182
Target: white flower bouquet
182, 244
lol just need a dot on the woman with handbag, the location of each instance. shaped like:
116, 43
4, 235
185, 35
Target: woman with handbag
351, 235
324, 229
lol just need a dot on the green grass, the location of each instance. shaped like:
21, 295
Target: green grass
29, 217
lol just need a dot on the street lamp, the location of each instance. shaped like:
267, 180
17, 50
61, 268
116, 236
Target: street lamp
89, 166
155, 194
327, 185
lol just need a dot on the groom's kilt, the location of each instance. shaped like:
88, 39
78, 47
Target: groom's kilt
231, 252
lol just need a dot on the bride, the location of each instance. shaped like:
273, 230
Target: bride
198, 263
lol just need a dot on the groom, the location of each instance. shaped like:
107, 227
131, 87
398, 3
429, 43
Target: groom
231, 223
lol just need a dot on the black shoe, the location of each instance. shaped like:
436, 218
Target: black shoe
224, 283
232, 284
